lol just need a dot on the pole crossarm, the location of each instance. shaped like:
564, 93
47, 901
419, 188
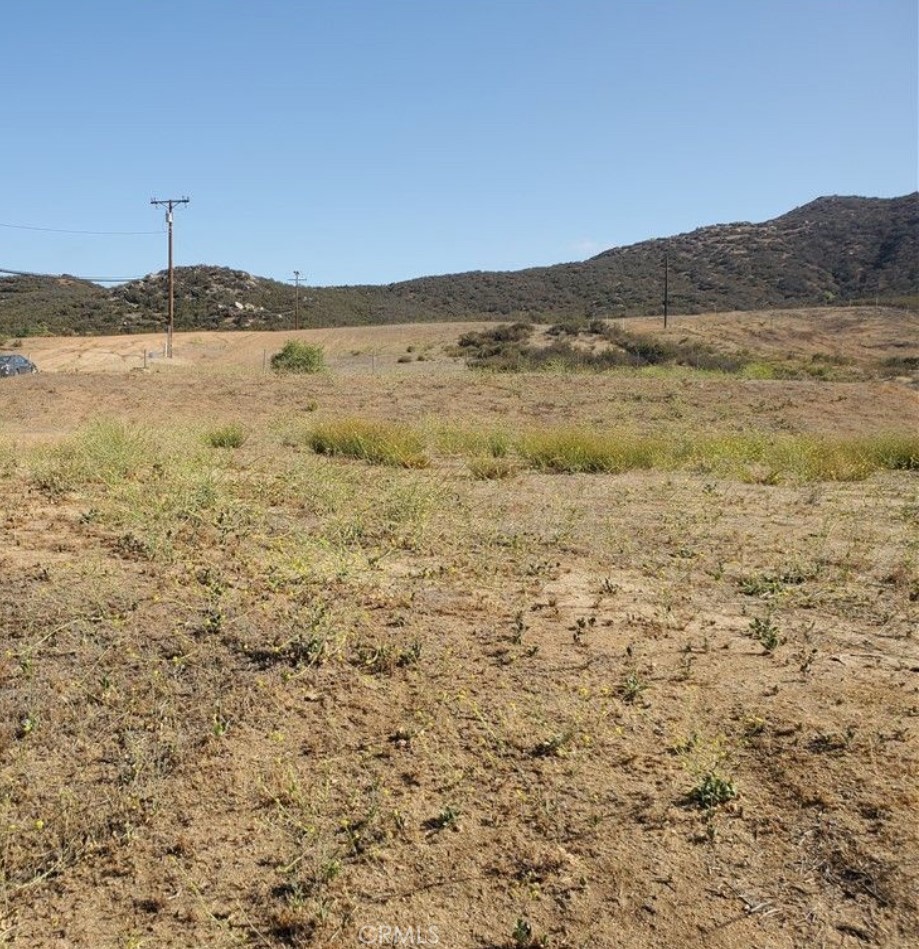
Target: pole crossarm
170, 202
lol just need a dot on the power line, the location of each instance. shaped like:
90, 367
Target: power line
106, 279
62, 230
26, 273
59, 276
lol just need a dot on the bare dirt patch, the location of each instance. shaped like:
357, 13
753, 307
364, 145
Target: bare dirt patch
347, 348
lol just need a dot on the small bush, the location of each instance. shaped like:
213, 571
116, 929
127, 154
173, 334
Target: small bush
820, 458
756, 458
298, 357
505, 333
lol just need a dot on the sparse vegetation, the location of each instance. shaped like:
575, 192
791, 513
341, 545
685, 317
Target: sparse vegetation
281, 686
510, 348
576, 450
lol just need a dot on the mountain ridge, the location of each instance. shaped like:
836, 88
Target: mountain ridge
835, 249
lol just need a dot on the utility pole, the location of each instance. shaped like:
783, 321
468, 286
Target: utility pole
666, 286
170, 203
297, 301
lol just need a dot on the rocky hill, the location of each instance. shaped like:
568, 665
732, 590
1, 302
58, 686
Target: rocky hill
834, 250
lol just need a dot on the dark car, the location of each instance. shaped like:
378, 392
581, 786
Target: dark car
15, 365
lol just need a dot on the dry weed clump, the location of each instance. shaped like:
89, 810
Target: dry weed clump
566, 450
379, 443
107, 452
469, 441
231, 435
489, 468
817, 458
755, 457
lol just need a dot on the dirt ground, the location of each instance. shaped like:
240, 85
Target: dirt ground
259, 697
858, 335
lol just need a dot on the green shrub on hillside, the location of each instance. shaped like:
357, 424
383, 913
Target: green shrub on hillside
508, 349
298, 357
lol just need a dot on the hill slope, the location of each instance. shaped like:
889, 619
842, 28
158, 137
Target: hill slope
833, 250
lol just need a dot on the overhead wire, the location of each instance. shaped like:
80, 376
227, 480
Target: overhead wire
63, 230
59, 276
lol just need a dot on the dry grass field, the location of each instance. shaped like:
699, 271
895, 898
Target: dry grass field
407, 654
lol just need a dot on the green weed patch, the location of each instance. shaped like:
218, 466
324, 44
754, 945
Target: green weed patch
379, 443
573, 451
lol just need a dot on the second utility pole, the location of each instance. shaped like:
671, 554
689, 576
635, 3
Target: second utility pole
666, 286
170, 204
297, 301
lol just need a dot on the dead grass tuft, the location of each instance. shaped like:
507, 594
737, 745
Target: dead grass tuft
379, 443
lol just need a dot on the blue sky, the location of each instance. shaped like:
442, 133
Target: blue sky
370, 141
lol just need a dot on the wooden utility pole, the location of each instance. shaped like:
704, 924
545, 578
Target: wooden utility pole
170, 203
666, 287
297, 300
